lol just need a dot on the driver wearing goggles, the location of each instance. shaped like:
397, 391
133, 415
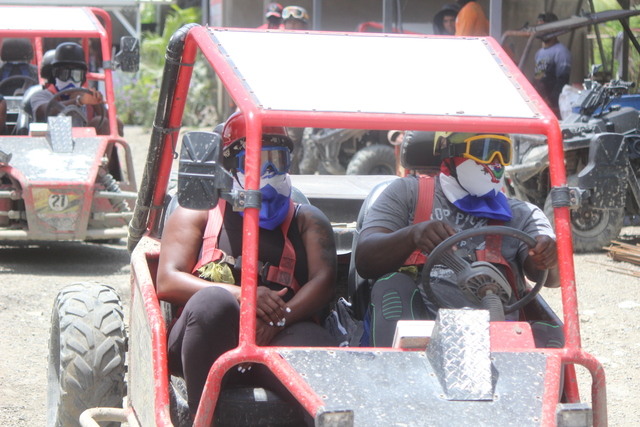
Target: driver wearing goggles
414, 214
67, 94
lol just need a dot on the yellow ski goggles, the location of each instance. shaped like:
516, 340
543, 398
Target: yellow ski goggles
483, 149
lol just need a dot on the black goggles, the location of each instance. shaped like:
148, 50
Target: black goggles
73, 74
276, 158
484, 149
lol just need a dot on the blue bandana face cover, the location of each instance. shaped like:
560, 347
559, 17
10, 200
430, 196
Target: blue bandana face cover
275, 185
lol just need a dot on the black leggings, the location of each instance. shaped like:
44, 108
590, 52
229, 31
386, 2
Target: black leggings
397, 297
209, 327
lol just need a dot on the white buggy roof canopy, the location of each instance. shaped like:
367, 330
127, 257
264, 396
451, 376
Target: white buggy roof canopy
364, 73
42, 20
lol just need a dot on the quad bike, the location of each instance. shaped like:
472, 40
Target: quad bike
602, 159
508, 381
346, 151
60, 180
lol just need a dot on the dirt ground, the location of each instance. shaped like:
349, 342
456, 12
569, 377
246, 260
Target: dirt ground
32, 274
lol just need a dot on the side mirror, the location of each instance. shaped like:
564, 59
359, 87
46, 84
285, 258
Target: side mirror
201, 176
128, 59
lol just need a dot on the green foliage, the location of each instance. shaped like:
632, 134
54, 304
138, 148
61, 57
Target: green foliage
147, 13
608, 32
137, 97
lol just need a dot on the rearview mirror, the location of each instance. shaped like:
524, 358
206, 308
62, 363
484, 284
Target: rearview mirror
128, 59
201, 177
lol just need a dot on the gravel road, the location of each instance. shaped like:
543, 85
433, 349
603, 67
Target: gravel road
32, 274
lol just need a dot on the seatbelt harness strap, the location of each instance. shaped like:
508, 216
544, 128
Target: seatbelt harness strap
282, 274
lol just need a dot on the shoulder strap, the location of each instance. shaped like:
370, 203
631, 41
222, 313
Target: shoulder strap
282, 274
24, 69
210, 251
424, 206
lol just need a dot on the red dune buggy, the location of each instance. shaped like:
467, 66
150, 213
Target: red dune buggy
57, 181
473, 371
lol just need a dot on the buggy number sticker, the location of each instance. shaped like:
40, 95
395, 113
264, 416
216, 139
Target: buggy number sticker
58, 202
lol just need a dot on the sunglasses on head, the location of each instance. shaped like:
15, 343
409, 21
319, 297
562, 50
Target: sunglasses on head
66, 74
484, 149
294, 12
276, 158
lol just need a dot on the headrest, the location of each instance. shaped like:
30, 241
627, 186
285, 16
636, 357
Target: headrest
416, 152
16, 50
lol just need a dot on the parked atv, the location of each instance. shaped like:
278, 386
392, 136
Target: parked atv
602, 161
347, 151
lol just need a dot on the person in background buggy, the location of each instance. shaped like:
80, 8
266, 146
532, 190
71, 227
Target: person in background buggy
466, 194
274, 17
295, 18
444, 22
196, 269
69, 71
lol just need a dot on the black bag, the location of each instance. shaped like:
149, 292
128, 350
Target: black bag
343, 326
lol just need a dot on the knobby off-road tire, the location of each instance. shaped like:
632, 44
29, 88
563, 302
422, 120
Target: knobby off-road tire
591, 229
373, 160
86, 353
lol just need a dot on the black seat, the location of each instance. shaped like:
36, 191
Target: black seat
416, 155
25, 115
16, 55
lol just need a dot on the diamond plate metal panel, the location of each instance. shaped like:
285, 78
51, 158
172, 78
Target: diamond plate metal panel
60, 132
401, 389
460, 353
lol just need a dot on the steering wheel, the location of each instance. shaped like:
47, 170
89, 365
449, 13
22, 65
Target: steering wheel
27, 82
70, 110
479, 281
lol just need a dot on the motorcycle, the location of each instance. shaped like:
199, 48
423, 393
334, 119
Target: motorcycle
602, 159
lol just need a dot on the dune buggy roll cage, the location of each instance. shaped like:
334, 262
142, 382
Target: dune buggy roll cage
180, 58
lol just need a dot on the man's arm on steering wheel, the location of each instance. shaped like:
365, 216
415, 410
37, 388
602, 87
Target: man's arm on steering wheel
543, 256
381, 250
41, 99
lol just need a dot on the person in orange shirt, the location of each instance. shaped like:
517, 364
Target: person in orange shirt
471, 20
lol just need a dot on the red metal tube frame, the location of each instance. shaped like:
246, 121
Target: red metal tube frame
546, 124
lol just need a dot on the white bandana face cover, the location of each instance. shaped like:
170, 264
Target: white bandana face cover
478, 189
481, 180
66, 84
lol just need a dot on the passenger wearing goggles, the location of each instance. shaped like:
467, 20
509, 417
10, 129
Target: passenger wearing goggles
467, 193
199, 269
69, 71
295, 18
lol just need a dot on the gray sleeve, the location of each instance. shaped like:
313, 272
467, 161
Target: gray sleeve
530, 219
40, 98
394, 208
